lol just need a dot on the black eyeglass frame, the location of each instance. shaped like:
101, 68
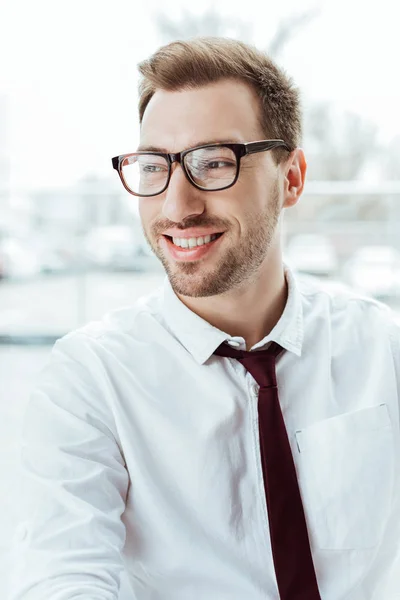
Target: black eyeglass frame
239, 150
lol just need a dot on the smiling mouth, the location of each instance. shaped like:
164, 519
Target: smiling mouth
215, 238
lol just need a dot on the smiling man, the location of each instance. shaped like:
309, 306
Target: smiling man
235, 434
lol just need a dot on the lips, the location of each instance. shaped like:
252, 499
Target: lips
190, 233
188, 254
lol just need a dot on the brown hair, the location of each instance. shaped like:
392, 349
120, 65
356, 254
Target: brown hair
201, 61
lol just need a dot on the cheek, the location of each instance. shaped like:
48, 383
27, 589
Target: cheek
266, 191
142, 208
253, 197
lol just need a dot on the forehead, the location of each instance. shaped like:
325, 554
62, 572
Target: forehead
224, 111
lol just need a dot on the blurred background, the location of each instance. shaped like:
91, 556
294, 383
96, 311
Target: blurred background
71, 244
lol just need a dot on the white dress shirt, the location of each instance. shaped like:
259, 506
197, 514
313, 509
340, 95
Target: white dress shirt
140, 448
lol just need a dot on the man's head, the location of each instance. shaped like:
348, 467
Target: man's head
218, 90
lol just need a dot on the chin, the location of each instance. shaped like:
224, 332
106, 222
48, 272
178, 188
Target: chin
202, 286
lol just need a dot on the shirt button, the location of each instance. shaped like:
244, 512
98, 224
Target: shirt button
234, 343
254, 389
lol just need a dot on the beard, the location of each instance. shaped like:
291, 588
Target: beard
237, 262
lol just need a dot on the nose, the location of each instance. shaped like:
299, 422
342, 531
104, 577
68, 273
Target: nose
182, 199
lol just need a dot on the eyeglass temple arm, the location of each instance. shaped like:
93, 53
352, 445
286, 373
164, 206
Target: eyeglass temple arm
252, 147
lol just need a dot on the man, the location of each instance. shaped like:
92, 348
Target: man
235, 434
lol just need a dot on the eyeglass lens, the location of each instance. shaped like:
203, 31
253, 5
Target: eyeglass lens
212, 168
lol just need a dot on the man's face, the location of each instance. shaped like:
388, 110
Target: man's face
247, 213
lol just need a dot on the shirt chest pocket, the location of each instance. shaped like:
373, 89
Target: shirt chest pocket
346, 471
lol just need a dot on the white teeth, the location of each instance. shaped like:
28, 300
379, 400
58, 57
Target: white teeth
193, 242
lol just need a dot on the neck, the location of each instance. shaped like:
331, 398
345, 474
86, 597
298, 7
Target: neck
251, 311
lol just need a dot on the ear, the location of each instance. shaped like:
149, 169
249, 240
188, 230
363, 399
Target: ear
294, 177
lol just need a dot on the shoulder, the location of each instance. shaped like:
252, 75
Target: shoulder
123, 325
344, 306
82, 368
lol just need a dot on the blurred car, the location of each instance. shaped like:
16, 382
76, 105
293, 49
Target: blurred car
374, 271
312, 254
59, 261
111, 247
118, 247
18, 259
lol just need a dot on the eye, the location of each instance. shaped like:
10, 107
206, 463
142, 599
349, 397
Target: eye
152, 168
218, 164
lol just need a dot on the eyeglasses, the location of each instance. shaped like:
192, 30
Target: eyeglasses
211, 167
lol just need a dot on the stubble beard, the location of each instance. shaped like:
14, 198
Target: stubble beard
237, 264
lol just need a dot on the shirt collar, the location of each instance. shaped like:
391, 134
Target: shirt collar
201, 338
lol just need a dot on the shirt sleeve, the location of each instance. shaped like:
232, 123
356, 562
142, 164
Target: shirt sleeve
69, 541
394, 334
391, 591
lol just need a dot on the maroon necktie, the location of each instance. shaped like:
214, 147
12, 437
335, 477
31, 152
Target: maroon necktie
294, 568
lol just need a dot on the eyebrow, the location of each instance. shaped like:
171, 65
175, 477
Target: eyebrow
150, 148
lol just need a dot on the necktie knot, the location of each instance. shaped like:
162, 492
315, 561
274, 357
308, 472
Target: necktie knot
259, 363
